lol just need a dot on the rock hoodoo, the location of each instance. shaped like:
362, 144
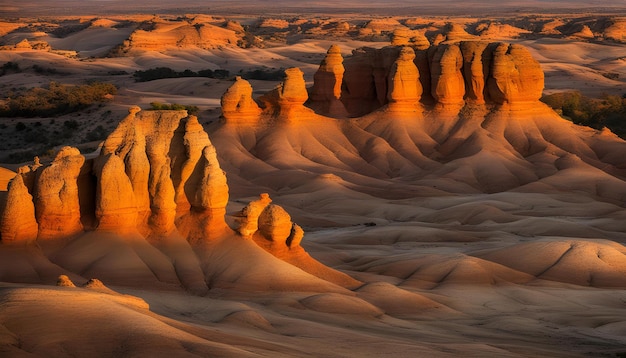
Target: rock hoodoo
405, 89
414, 77
238, 104
57, 204
17, 222
325, 95
448, 85
286, 101
270, 227
150, 208
515, 75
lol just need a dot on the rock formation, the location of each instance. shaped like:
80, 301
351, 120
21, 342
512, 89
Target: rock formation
411, 78
448, 85
455, 33
270, 227
325, 95
238, 106
286, 101
515, 75
17, 222
249, 216
116, 208
65, 281
451, 75
149, 208
405, 89
475, 70
159, 35
57, 205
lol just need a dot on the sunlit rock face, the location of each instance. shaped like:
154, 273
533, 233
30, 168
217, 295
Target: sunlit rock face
516, 77
405, 89
57, 205
172, 168
271, 228
286, 101
447, 86
149, 210
17, 223
238, 106
159, 35
156, 166
451, 75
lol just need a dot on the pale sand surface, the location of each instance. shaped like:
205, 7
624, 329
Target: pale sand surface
489, 253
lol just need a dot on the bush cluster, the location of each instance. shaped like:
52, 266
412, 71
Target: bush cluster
55, 99
158, 73
608, 111
166, 72
264, 75
10, 67
157, 106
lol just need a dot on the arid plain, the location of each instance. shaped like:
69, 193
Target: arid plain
346, 182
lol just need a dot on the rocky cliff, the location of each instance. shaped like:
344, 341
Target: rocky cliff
149, 209
398, 79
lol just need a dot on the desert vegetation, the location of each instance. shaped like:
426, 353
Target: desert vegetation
158, 106
54, 99
166, 72
608, 111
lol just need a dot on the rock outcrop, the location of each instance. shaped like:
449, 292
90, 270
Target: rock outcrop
249, 216
17, 222
159, 35
515, 75
325, 95
405, 89
475, 70
270, 227
286, 101
65, 281
150, 210
412, 78
451, 75
238, 106
448, 85
57, 205
116, 208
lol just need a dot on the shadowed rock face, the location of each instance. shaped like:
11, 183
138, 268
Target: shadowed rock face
325, 95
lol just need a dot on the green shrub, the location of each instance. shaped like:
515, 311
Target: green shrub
97, 133
55, 99
71, 124
158, 106
608, 111
10, 67
166, 72
264, 75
